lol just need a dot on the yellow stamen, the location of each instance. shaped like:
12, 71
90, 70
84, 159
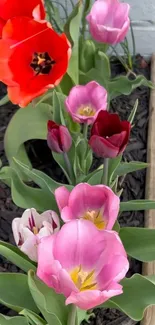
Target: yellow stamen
84, 280
87, 110
96, 217
40, 60
35, 230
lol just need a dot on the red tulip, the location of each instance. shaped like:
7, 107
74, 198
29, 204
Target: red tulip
58, 137
33, 58
109, 135
14, 8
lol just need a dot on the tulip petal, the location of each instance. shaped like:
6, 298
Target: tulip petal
62, 197
92, 298
102, 147
68, 249
30, 247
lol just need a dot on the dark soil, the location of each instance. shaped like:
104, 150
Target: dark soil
133, 184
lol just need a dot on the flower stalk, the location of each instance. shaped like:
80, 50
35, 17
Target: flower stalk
72, 316
105, 172
71, 177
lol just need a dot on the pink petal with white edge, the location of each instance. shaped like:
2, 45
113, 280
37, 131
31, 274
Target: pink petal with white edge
62, 197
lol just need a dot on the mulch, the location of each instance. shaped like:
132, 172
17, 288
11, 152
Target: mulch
133, 184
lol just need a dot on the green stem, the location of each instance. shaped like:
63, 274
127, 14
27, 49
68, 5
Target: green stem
104, 179
72, 316
85, 131
69, 169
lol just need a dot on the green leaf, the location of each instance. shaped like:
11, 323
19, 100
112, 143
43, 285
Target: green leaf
14, 292
138, 294
133, 112
102, 64
4, 100
45, 182
59, 107
32, 318
73, 126
113, 165
94, 178
116, 226
137, 205
17, 320
59, 158
87, 55
15, 256
26, 124
122, 85
25, 196
91, 75
51, 304
72, 30
129, 167
139, 243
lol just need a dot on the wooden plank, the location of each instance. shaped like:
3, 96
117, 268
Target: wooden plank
149, 268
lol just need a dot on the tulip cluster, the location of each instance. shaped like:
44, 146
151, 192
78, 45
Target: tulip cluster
84, 260
76, 249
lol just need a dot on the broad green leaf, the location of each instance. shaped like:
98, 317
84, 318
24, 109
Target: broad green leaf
26, 124
14, 292
15, 256
32, 318
51, 304
91, 75
66, 84
17, 320
102, 64
72, 30
129, 167
137, 205
41, 179
73, 126
138, 294
139, 243
122, 85
133, 112
4, 100
25, 196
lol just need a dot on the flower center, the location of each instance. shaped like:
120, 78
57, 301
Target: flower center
86, 110
32, 225
96, 217
42, 63
83, 280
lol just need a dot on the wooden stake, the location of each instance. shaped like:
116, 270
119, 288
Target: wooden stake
149, 268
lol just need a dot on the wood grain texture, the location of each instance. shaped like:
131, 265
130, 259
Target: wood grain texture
149, 268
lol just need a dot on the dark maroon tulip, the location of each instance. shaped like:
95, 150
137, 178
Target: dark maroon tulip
109, 135
58, 137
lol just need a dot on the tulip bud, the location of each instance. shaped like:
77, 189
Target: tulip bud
58, 137
109, 135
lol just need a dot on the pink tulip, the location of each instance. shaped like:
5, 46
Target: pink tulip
85, 102
97, 204
109, 21
83, 263
31, 227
